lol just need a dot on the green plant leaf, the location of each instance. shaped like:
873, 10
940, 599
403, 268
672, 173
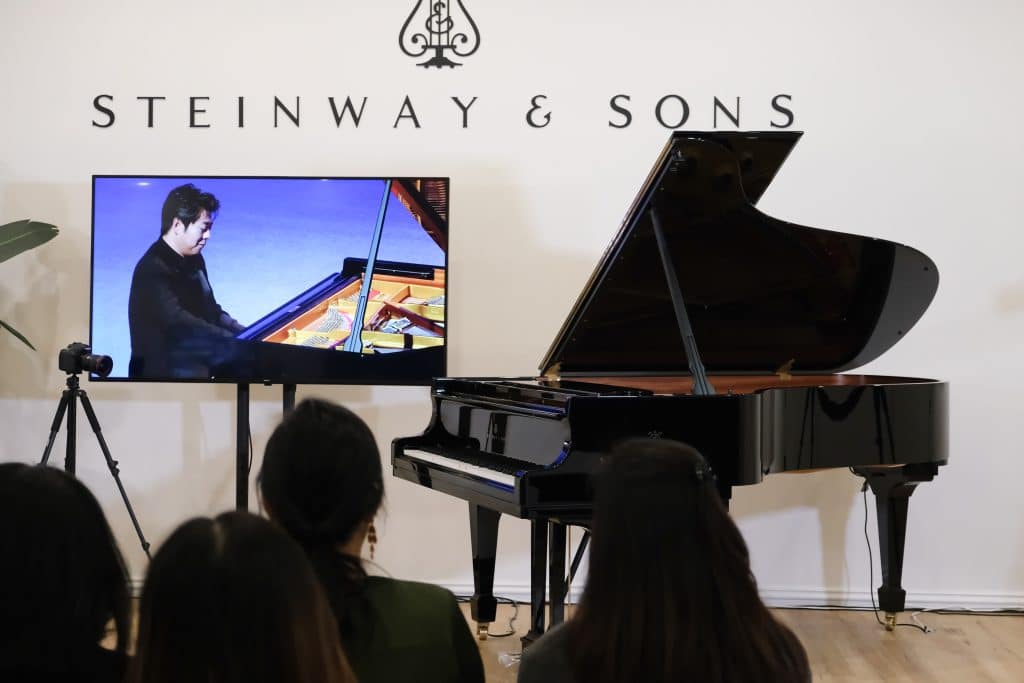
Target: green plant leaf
17, 334
23, 235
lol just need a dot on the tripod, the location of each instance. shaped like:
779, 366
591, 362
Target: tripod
67, 405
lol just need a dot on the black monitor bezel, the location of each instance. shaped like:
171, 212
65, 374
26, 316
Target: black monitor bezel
367, 379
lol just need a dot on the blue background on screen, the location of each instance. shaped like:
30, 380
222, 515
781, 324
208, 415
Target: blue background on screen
272, 239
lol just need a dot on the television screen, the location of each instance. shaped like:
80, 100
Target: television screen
270, 279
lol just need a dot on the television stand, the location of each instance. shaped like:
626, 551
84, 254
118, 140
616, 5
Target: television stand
242, 438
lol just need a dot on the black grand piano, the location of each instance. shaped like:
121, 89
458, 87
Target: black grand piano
708, 322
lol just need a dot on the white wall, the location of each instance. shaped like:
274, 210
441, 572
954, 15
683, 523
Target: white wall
911, 115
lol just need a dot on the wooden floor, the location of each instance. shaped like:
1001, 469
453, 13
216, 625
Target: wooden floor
852, 646
847, 646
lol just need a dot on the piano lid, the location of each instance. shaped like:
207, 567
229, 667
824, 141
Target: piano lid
760, 292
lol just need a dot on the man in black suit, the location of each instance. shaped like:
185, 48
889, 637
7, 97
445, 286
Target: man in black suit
177, 327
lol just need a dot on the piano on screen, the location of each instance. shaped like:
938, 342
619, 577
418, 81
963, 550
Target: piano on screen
712, 323
370, 305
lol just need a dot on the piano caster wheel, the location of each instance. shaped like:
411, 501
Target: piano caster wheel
890, 621
481, 630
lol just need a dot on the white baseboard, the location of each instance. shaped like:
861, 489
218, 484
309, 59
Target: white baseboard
520, 592
791, 597
817, 598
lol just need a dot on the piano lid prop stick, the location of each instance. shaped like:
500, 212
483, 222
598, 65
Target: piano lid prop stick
701, 385
354, 343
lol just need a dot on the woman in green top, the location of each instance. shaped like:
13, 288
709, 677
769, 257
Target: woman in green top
322, 481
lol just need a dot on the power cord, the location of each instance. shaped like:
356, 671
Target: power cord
871, 571
999, 612
511, 622
501, 601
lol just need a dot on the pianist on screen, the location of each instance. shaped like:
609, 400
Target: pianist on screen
173, 318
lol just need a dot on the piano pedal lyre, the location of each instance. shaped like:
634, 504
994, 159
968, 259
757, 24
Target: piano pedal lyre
890, 621
481, 630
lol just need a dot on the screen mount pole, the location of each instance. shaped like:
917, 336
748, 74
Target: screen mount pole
287, 399
242, 448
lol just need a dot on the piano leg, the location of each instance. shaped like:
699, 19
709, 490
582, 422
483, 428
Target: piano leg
724, 492
893, 487
556, 572
538, 562
483, 533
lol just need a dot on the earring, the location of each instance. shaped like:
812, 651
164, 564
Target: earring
371, 537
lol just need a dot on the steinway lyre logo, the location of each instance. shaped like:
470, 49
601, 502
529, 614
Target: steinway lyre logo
441, 32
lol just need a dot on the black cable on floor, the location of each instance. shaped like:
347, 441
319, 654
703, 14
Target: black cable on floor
501, 601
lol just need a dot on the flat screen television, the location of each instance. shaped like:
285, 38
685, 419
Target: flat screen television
275, 280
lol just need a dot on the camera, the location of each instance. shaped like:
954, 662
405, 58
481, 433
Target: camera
78, 357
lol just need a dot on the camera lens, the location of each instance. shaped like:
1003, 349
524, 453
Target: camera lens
97, 364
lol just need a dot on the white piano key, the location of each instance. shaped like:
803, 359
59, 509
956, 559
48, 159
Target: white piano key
460, 466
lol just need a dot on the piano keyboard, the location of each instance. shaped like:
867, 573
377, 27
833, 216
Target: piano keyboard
461, 466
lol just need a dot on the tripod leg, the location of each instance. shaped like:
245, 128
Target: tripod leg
72, 443
55, 427
112, 465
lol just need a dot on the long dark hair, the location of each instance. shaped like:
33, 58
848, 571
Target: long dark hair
670, 595
234, 600
321, 480
62, 577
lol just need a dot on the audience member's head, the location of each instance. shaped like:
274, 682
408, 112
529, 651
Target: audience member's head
322, 481
670, 595
234, 600
62, 578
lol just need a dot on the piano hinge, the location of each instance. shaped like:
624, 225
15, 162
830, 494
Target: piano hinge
783, 371
553, 373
